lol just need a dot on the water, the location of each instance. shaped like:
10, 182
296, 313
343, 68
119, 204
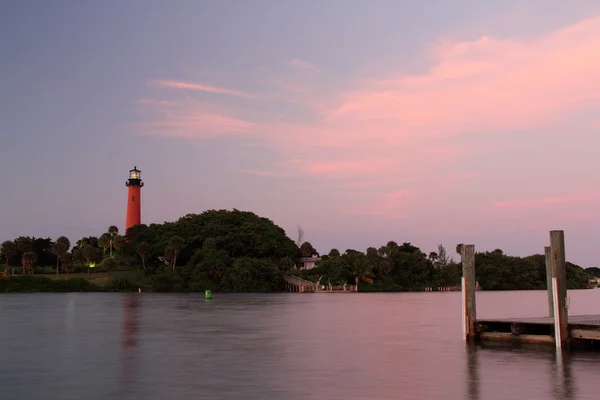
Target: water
278, 346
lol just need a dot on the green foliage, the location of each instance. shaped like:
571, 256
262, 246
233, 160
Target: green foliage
238, 233
32, 284
109, 263
238, 251
593, 272
121, 285
253, 275
167, 281
405, 267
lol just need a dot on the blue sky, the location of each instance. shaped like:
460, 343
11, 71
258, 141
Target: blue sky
429, 122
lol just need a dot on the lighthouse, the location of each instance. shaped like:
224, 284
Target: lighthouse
134, 198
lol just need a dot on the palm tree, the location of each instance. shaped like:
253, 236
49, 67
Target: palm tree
7, 251
118, 242
112, 231
359, 268
175, 245
59, 248
142, 249
23, 245
67, 262
104, 241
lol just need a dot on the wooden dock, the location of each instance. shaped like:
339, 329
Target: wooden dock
557, 327
299, 285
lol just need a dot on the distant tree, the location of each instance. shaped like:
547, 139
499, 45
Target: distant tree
67, 262
59, 249
142, 249
8, 250
334, 253
91, 255
29, 259
300, 238
175, 245
118, 243
110, 264
307, 250
23, 245
592, 271
433, 257
78, 255
113, 231
133, 233
442, 257
104, 241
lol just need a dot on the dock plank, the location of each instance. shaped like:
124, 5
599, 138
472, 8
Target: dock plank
591, 320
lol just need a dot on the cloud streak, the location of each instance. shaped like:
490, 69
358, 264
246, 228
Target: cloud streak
548, 202
199, 87
304, 65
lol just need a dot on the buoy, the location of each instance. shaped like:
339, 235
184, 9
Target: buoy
139, 290
208, 294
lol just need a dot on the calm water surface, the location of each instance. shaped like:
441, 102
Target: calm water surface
278, 346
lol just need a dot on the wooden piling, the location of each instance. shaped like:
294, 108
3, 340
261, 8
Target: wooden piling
559, 288
548, 254
468, 291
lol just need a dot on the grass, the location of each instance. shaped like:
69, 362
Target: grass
98, 278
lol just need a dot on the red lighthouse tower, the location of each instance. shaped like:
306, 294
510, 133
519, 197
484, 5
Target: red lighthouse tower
134, 198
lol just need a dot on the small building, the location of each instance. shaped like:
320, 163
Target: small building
308, 262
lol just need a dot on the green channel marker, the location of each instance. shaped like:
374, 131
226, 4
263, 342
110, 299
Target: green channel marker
208, 295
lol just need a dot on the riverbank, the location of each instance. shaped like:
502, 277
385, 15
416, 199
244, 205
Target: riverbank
44, 284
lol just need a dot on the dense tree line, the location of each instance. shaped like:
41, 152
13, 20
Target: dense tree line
239, 251
405, 267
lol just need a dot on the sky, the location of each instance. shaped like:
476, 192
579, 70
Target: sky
432, 122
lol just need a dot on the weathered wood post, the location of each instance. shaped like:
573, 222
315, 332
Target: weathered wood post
468, 284
548, 254
559, 288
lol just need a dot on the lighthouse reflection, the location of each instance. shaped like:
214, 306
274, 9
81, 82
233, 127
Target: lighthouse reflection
129, 339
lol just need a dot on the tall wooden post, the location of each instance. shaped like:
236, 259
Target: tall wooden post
559, 287
548, 254
467, 255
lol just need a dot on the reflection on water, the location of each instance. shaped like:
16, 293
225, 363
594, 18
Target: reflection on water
472, 372
129, 365
279, 346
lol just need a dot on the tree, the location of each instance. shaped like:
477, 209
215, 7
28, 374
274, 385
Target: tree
174, 247
105, 241
112, 231
110, 264
300, 239
308, 250
28, 260
142, 249
118, 243
59, 248
67, 262
8, 250
442, 257
23, 245
91, 255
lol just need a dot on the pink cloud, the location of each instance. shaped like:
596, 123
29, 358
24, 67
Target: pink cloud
198, 86
265, 173
189, 119
488, 84
382, 132
304, 65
